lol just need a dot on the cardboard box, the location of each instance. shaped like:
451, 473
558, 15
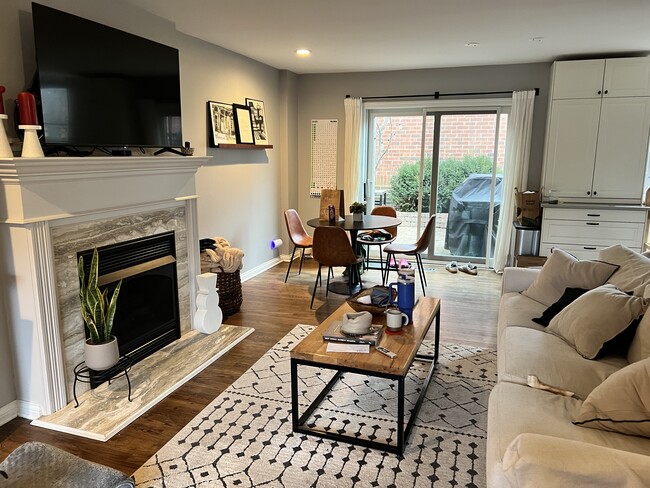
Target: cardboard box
528, 208
530, 261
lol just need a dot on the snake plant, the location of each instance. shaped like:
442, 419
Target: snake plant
96, 310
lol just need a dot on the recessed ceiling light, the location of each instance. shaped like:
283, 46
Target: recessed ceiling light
303, 52
536, 39
472, 44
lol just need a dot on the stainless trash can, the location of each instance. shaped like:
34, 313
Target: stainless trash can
526, 240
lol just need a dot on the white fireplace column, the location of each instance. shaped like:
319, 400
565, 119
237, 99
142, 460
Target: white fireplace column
39, 192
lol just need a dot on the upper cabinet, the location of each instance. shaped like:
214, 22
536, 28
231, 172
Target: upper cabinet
601, 78
597, 130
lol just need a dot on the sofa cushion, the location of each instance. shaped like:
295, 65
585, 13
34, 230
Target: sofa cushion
569, 296
621, 403
633, 273
595, 318
561, 271
524, 351
640, 345
515, 409
518, 310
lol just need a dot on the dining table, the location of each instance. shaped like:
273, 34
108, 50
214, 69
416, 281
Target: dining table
348, 223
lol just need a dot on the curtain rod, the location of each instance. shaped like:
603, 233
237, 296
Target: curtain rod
437, 95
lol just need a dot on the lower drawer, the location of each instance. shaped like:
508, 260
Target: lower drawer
630, 234
580, 252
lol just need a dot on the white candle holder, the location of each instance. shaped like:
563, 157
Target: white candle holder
5, 148
31, 145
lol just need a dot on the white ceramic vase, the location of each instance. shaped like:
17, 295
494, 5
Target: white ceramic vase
357, 217
101, 356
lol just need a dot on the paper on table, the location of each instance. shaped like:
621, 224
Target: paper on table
344, 347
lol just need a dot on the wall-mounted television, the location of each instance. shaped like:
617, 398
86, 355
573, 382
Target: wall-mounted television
103, 87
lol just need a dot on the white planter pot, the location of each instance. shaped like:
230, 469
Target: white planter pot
101, 356
357, 217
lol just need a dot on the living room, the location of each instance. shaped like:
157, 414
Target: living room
260, 184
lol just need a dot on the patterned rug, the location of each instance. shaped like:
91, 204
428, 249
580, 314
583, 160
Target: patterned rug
244, 437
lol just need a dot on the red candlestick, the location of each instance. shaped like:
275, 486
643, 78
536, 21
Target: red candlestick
2, 103
27, 109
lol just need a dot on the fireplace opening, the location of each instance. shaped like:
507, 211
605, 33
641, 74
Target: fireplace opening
147, 317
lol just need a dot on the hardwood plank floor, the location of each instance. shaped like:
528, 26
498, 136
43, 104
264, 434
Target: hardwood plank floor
468, 315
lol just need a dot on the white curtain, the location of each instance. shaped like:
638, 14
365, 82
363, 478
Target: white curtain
352, 151
515, 172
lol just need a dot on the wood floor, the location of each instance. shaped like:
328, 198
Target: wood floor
468, 315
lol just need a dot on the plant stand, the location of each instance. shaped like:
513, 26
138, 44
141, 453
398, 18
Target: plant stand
84, 374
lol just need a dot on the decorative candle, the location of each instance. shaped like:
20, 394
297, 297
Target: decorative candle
2, 104
27, 109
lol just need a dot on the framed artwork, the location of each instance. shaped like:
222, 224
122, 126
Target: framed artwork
243, 124
259, 120
222, 123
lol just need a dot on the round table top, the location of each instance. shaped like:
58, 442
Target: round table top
369, 222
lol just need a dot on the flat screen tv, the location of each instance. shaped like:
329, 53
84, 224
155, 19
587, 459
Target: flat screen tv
102, 87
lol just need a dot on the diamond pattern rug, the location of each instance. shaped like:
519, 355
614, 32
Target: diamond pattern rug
244, 437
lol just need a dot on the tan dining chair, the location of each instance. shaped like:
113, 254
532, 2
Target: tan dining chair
385, 211
411, 250
332, 248
299, 237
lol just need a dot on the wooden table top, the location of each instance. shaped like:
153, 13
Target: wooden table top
405, 345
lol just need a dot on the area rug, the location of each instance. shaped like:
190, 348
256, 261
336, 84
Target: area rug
152, 379
244, 437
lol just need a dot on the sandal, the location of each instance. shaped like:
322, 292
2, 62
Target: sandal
469, 268
452, 267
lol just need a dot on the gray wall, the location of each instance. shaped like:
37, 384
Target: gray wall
321, 97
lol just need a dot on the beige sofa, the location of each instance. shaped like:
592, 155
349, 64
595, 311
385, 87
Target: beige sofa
532, 441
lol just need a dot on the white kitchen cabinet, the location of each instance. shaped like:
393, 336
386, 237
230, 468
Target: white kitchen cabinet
598, 131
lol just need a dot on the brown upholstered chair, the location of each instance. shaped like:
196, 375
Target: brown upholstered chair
385, 211
411, 250
298, 236
332, 248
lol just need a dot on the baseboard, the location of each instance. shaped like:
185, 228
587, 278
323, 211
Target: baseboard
252, 273
28, 410
9, 412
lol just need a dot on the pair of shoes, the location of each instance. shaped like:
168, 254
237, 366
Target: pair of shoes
469, 268
452, 267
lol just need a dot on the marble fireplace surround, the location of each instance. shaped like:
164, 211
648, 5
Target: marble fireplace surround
50, 209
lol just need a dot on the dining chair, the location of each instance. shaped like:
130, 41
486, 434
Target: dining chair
298, 236
385, 211
411, 250
332, 248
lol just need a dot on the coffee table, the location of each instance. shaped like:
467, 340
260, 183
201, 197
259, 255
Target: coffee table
312, 351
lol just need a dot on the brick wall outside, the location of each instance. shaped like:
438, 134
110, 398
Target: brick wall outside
398, 140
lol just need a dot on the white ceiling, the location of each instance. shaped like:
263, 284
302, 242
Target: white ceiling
380, 35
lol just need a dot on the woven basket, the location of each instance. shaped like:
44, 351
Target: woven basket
364, 307
230, 294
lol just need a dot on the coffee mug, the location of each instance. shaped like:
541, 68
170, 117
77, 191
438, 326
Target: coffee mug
396, 319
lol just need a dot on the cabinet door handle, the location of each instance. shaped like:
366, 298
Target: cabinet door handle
589, 248
600, 92
588, 193
593, 215
606, 92
595, 193
592, 223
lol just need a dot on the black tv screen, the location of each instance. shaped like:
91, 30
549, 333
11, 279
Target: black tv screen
103, 87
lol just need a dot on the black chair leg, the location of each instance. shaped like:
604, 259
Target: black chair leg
329, 272
423, 273
302, 256
290, 263
313, 293
418, 260
381, 263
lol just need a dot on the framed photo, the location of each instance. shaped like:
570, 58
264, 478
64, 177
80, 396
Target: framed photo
243, 124
222, 123
259, 120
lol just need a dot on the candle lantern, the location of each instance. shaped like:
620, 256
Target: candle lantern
5, 148
29, 123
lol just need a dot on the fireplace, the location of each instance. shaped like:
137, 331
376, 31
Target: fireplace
147, 317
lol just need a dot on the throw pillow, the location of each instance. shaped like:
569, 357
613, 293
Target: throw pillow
640, 345
561, 271
633, 273
595, 318
620, 403
570, 294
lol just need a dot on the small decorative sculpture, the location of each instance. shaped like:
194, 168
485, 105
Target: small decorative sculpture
208, 315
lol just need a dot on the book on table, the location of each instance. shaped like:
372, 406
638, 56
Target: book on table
335, 334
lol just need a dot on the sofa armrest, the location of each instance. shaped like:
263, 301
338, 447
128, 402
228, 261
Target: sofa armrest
534, 460
517, 279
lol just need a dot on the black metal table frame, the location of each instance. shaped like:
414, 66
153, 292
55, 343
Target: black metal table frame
402, 432
82, 373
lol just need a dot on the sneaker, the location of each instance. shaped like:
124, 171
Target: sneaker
469, 268
452, 267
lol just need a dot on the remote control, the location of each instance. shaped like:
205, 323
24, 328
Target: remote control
386, 352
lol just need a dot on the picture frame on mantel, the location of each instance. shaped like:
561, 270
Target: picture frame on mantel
222, 123
260, 130
243, 124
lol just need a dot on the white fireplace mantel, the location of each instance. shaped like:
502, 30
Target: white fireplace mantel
42, 193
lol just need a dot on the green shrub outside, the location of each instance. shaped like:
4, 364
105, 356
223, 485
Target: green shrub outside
451, 173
